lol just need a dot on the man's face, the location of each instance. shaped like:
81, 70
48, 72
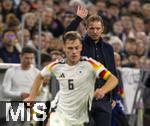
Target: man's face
117, 27
7, 4
27, 60
72, 50
30, 20
47, 17
126, 22
26, 37
10, 38
24, 7
94, 30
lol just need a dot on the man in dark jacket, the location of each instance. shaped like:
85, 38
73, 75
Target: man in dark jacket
95, 47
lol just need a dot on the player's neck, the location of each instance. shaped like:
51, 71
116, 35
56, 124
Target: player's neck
24, 67
71, 63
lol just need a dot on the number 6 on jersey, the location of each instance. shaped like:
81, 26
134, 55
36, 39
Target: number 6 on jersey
70, 84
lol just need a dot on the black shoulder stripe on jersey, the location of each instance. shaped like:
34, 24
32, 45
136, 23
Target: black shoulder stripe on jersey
61, 61
83, 58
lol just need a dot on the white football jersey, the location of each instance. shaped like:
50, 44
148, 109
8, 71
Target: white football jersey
76, 87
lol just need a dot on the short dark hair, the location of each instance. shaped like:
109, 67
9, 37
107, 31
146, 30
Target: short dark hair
93, 18
71, 35
45, 58
27, 49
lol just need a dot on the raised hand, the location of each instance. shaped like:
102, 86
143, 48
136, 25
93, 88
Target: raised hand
82, 12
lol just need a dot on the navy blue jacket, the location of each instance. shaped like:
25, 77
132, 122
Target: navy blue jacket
9, 57
102, 52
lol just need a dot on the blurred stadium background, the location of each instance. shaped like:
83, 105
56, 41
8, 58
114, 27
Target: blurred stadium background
41, 23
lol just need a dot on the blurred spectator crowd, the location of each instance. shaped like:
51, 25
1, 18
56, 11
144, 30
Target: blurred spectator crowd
41, 23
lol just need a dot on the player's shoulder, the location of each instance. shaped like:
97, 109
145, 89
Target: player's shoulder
88, 59
61, 61
56, 63
83, 58
13, 69
34, 69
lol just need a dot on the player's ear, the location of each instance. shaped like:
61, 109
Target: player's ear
64, 49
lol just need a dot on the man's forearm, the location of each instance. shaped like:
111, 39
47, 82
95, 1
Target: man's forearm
11, 94
36, 86
73, 25
110, 84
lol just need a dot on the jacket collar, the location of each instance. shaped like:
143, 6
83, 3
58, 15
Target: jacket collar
91, 41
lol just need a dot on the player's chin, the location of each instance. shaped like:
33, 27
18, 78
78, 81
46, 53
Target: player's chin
75, 60
95, 37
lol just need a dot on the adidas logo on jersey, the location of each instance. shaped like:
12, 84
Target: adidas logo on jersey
62, 75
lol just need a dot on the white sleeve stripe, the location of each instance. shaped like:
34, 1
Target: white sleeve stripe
100, 70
